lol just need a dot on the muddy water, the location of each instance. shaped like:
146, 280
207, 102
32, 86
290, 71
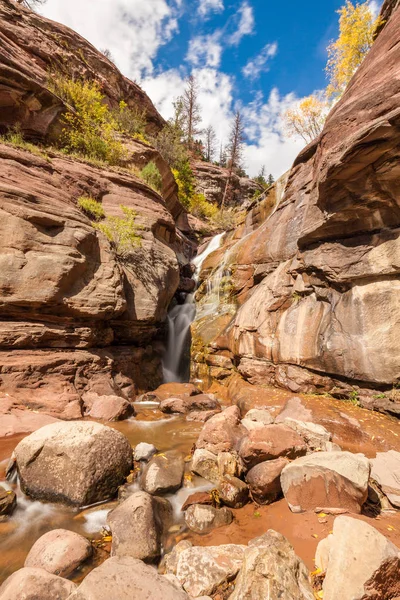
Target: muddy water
32, 519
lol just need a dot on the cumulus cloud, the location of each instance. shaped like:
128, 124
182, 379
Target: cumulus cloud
246, 22
132, 30
207, 6
375, 7
259, 64
205, 50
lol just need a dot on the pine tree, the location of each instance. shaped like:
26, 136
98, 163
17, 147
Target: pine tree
235, 151
270, 179
191, 111
209, 143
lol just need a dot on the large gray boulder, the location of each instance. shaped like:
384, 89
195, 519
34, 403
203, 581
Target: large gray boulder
200, 570
326, 480
385, 470
35, 584
273, 571
126, 578
137, 525
360, 563
163, 473
78, 463
201, 518
59, 552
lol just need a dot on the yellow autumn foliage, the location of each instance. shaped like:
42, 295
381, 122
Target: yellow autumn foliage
306, 119
357, 25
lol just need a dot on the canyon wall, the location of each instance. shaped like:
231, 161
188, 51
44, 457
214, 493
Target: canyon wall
314, 301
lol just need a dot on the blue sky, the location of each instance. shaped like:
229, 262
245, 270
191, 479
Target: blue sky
256, 55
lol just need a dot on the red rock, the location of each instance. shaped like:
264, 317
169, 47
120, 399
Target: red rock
265, 480
222, 432
109, 408
59, 551
187, 404
197, 498
272, 441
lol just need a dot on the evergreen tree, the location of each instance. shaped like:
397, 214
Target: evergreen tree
270, 179
235, 151
210, 142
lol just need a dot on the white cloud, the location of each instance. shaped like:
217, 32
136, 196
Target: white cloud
375, 7
207, 6
205, 50
132, 30
246, 23
259, 64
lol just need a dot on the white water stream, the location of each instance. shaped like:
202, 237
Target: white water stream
175, 367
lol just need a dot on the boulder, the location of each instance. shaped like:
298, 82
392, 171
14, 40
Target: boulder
201, 570
264, 480
201, 415
8, 502
59, 552
137, 525
35, 584
326, 481
169, 562
223, 432
125, 578
230, 463
205, 464
269, 442
201, 518
315, 436
163, 473
108, 408
175, 390
273, 571
186, 404
233, 491
144, 451
385, 470
198, 498
359, 561
256, 418
78, 463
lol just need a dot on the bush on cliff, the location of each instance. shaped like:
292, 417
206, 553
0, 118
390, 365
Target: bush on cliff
152, 176
122, 232
91, 207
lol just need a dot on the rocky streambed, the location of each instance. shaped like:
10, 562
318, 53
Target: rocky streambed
261, 494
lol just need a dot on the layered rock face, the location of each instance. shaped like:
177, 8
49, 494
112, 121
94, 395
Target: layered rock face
321, 273
73, 318
211, 181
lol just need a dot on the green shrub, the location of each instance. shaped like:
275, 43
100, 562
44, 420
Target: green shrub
186, 184
121, 231
15, 138
224, 219
90, 127
91, 207
200, 207
168, 143
130, 120
152, 176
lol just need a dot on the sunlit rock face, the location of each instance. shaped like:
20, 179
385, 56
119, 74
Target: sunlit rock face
321, 306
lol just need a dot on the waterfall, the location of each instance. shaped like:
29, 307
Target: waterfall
176, 361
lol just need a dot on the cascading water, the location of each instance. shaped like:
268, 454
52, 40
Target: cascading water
176, 362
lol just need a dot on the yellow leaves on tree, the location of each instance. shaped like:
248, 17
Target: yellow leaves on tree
306, 119
357, 25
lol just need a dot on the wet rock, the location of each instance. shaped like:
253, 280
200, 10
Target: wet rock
186, 404
201, 415
108, 408
202, 519
201, 570
8, 502
198, 498
269, 442
144, 451
223, 432
233, 492
205, 464
76, 463
35, 584
256, 418
176, 390
163, 473
315, 436
272, 570
385, 470
326, 480
59, 552
359, 561
125, 578
137, 525
265, 480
